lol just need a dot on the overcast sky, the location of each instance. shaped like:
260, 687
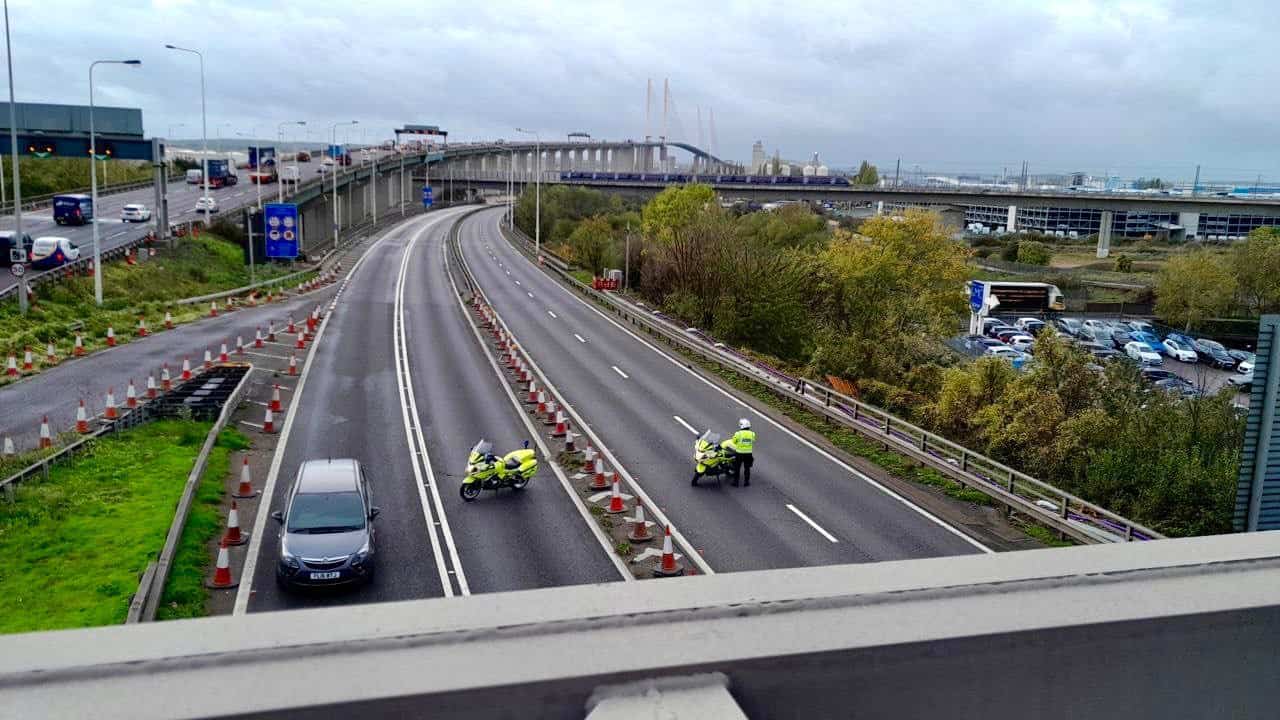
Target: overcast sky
1145, 87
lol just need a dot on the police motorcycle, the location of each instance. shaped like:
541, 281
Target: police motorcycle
710, 459
486, 471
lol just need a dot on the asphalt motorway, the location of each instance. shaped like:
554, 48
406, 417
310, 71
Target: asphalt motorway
354, 405
803, 507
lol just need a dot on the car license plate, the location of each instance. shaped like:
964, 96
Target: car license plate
325, 575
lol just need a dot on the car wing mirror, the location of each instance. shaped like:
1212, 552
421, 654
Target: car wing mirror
277, 516
374, 512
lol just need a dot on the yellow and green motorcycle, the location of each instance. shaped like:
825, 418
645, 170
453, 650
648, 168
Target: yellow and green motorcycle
709, 458
488, 471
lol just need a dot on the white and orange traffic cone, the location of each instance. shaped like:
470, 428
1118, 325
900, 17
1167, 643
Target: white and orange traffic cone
168, 320
152, 390
82, 419
142, 326
234, 536
562, 425
616, 506
257, 338
275, 398
208, 359
293, 364
552, 409
110, 411
570, 442
598, 479
130, 396
166, 382
50, 354
239, 345
669, 566
222, 573
269, 422
271, 331
639, 531
11, 368
246, 482
292, 326
542, 402
111, 336
28, 362
532, 398
46, 437
222, 353
301, 344
78, 349
213, 308
186, 369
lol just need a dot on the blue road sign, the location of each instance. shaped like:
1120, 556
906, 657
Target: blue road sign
977, 292
280, 223
426, 196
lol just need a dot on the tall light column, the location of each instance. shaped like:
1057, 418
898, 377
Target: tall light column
93, 179
280, 135
334, 130
13, 146
537, 185
204, 130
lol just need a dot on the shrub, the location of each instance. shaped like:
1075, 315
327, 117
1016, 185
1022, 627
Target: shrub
1031, 252
1010, 251
1124, 263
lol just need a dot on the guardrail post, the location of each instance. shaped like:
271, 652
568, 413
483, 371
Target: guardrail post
44, 469
964, 460
888, 419
1010, 486
1128, 532
923, 442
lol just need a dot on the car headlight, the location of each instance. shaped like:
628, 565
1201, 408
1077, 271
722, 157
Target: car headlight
286, 557
361, 555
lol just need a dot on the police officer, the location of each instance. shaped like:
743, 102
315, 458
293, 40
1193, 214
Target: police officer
740, 447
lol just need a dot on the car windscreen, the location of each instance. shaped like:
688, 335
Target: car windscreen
318, 513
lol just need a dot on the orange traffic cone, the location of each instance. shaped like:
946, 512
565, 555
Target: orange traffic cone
168, 320
616, 506
234, 536
166, 382
669, 566
222, 353
130, 396
292, 327
246, 482
639, 526
82, 419
257, 338
152, 390
301, 343
208, 359
78, 349
239, 344
11, 369
552, 409
110, 412
562, 425
28, 362
213, 308
269, 422
142, 326
275, 399
186, 369
222, 573
598, 480
570, 446
271, 331
293, 364
46, 437
532, 399
111, 336
50, 355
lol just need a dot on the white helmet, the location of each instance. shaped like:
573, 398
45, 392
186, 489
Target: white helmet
744, 424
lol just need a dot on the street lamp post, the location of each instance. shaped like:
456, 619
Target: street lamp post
280, 134
13, 146
334, 130
257, 167
537, 185
204, 131
93, 178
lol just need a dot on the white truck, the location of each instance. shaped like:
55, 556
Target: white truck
194, 177
290, 174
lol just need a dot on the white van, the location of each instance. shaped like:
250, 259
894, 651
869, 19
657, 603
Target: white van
290, 174
50, 252
193, 177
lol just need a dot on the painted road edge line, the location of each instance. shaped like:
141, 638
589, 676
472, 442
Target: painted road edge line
689, 550
574, 498
686, 425
277, 457
837, 461
811, 523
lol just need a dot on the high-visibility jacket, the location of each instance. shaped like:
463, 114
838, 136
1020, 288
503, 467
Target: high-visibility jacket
742, 442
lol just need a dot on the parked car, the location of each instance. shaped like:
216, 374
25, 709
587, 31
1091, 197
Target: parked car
1213, 353
50, 252
1177, 386
1121, 337
988, 324
1140, 326
1096, 330
328, 536
1179, 350
1102, 353
325, 165
1149, 338
135, 212
1142, 353
1153, 374
1242, 381
1021, 343
1068, 326
1181, 339
1244, 360
1006, 334
14, 248
1031, 325
206, 203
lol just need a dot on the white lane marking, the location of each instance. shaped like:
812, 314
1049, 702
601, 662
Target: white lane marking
517, 282
529, 294
777, 425
686, 425
266, 355
812, 524
250, 424
580, 338
596, 530
277, 458
551, 313
624, 375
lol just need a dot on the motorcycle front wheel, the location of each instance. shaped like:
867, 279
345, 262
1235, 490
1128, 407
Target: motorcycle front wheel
520, 483
470, 491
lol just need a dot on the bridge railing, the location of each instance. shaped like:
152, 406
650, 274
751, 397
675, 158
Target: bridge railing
1068, 514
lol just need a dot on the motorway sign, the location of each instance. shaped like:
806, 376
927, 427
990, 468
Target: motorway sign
977, 293
18, 269
426, 196
280, 224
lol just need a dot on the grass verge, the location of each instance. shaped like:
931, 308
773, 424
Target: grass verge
185, 595
74, 546
197, 266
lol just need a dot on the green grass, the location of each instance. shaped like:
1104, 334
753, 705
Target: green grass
45, 176
185, 595
582, 276
75, 546
198, 266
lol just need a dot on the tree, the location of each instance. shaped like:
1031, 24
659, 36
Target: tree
1256, 266
1192, 288
1031, 252
592, 244
867, 174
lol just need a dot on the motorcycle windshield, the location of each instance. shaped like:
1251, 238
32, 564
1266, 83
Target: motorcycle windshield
482, 448
711, 438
